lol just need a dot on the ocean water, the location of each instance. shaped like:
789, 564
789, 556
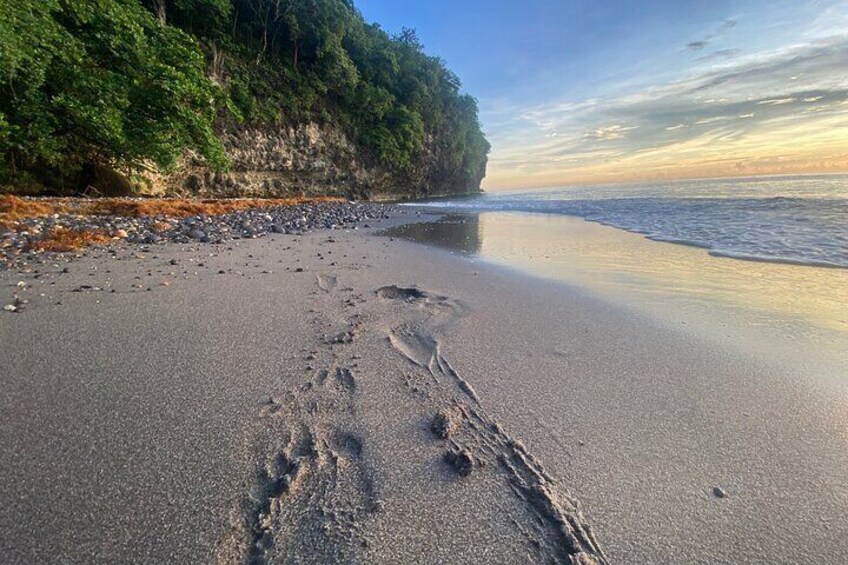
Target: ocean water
799, 220
764, 267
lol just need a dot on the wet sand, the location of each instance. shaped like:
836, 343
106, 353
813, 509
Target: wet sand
387, 403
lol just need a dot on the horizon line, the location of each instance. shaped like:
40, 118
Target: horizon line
667, 180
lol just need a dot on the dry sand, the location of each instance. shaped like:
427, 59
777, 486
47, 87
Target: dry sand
392, 403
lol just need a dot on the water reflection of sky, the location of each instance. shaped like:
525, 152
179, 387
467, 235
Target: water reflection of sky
801, 310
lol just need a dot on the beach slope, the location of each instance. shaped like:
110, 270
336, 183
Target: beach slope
343, 397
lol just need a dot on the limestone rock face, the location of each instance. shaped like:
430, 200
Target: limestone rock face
311, 159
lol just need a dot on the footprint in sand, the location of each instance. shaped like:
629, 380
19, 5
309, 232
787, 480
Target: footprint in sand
561, 530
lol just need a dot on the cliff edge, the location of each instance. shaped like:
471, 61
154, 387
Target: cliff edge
219, 98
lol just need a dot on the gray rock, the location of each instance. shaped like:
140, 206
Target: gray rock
294, 220
461, 460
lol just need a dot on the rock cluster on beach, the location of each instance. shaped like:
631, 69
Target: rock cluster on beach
15, 245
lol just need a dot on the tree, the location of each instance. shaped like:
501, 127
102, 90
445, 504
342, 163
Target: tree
100, 82
128, 83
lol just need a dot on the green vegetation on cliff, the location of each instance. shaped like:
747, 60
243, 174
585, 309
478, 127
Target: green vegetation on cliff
127, 84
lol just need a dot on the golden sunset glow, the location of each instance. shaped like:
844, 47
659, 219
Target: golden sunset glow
811, 148
781, 110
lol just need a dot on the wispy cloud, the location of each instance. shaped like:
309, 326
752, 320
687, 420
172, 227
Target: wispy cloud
739, 116
721, 54
701, 44
609, 133
777, 101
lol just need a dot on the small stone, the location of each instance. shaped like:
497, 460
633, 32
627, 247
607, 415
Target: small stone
719, 492
446, 422
299, 270
10, 308
121, 234
277, 228
21, 284
461, 460
196, 234
174, 262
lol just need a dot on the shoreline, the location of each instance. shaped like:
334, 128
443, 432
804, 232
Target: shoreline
198, 420
789, 315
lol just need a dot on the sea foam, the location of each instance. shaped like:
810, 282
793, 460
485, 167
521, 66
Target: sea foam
799, 220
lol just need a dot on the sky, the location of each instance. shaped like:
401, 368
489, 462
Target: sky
598, 91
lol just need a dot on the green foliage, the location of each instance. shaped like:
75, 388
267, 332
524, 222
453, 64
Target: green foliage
130, 82
100, 82
202, 18
397, 137
294, 60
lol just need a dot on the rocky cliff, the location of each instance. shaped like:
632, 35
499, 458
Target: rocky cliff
313, 159
204, 85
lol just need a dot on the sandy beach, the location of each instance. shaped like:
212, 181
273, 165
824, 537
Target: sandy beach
341, 396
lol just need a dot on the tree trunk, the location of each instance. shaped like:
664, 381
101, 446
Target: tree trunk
160, 12
216, 73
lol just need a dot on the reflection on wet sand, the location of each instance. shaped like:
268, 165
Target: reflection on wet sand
457, 232
777, 309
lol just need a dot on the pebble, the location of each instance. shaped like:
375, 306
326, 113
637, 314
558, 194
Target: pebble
719, 492
10, 308
461, 460
217, 229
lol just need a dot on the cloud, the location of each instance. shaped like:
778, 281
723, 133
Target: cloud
610, 132
746, 108
701, 44
719, 55
777, 101
712, 120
